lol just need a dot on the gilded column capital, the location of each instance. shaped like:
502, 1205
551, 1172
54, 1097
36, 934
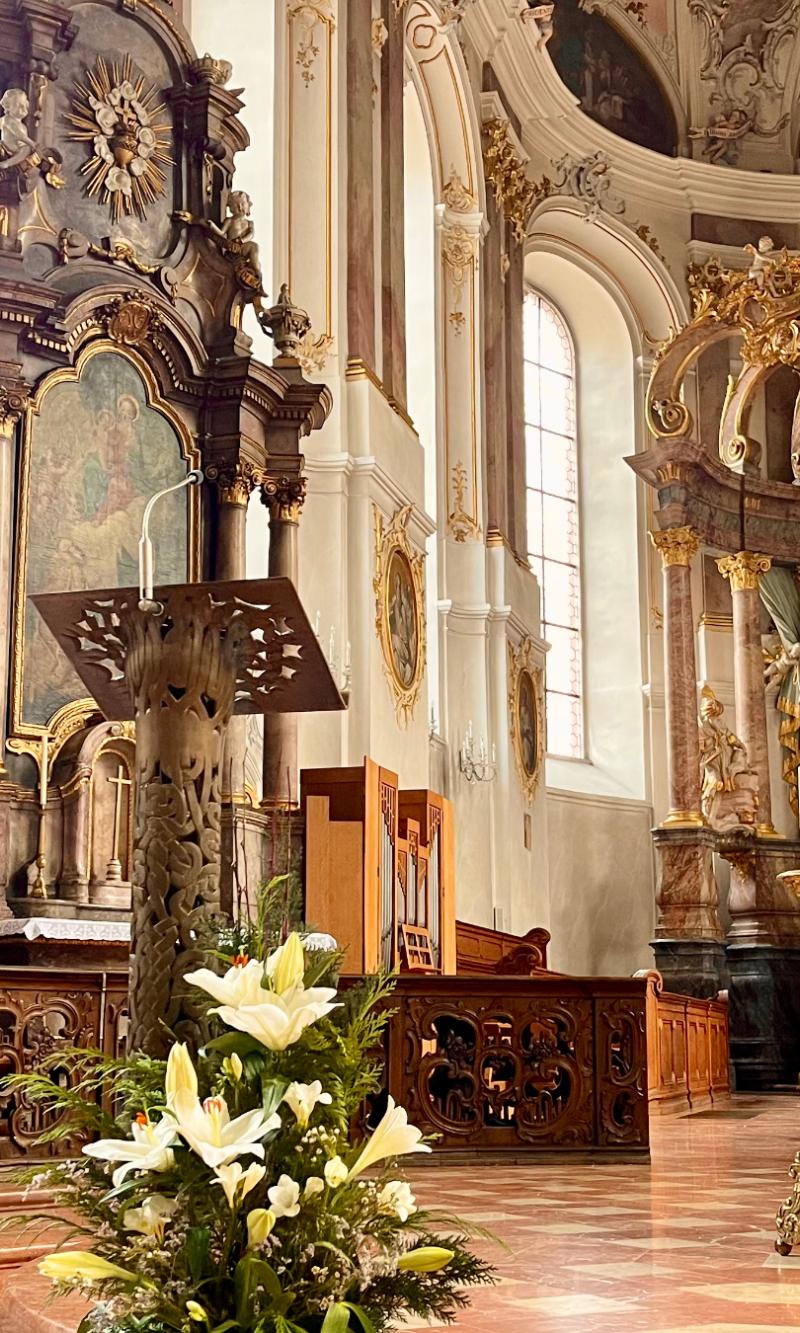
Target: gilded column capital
284, 497
235, 482
12, 406
743, 569
677, 546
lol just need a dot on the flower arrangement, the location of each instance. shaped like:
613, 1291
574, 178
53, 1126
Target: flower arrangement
225, 1193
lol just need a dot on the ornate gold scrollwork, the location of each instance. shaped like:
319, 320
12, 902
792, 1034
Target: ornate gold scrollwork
235, 481
516, 194
399, 588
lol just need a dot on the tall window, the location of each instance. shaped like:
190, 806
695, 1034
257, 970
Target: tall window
552, 503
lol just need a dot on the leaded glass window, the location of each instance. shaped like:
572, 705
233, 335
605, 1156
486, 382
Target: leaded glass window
551, 448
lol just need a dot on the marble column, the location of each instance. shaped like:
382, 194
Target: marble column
688, 946
234, 484
742, 571
677, 547
283, 497
11, 407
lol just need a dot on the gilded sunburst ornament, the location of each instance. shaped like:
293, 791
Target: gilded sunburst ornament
117, 113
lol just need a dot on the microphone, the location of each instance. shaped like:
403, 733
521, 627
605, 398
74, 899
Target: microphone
146, 553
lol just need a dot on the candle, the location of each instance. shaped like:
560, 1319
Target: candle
43, 773
494, 753
347, 656
332, 647
316, 623
146, 568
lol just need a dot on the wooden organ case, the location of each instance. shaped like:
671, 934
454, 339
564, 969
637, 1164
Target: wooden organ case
379, 869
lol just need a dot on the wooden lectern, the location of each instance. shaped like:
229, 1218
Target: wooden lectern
181, 668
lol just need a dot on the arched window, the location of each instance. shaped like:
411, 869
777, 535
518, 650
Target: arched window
552, 504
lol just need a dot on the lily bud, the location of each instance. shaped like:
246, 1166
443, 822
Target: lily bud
181, 1076
233, 1068
259, 1225
73, 1265
286, 968
196, 1312
426, 1259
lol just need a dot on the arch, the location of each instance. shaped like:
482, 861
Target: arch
440, 75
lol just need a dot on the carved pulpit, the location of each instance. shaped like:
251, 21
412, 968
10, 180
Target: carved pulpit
181, 669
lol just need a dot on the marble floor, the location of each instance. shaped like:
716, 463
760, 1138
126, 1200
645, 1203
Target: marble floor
684, 1244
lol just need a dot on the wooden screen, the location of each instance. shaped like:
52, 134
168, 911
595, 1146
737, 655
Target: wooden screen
378, 859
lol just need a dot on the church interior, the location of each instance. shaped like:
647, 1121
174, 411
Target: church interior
399, 467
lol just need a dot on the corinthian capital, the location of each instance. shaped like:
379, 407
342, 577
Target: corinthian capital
284, 496
235, 482
743, 569
677, 546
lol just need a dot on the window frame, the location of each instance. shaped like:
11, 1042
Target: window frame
581, 754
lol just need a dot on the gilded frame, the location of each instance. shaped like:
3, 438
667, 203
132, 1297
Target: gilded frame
25, 737
522, 667
392, 542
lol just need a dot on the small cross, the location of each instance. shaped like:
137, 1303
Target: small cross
120, 782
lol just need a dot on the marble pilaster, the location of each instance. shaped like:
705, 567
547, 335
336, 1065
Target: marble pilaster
677, 547
393, 210
11, 405
742, 570
360, 184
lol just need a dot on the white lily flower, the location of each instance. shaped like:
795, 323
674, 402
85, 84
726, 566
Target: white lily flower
393, 1137
241, 984
259, 1226
314, 1185
280, 1020
236, 1181
286, 966
284, 1198
150, 1148
151, 1219
335, 1172
396, 1200
82, 1265
209, 1131
303, 1097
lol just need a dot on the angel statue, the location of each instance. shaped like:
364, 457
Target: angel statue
20, 156
729, 797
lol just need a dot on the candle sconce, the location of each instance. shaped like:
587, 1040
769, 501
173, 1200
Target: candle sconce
475, 763
343, 677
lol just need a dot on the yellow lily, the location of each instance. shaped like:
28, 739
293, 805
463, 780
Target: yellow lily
426, 1259
394, 1137
82, 1265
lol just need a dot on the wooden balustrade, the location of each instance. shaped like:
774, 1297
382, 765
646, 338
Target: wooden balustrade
484, 952
42, 1009
687, 1043
517, 1066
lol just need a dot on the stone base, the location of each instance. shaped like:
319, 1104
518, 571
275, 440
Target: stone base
692, 967
764, 1015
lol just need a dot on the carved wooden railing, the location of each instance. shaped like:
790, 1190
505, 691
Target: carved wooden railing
41, 1011
688, 1049
516, 1065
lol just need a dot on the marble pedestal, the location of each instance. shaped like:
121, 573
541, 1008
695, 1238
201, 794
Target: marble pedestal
692, 967
689, 946
764, 999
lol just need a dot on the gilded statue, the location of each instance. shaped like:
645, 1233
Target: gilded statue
235, 239
729, 797
19, 154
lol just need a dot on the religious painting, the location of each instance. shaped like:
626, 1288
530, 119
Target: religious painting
96, 450
525, 700
613, 84
399, 599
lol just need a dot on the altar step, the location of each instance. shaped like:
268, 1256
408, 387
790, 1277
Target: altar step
18, 1244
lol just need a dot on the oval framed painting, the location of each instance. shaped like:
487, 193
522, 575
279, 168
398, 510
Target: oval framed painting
526, 706
400, 614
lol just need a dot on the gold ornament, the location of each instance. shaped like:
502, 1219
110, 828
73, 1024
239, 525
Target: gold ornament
743, 569
677, 546
117, 112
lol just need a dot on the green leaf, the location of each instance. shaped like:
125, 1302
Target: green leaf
337, 1319
361, 1315
235, 1042
252, 1273
272, 1091
197, 1242
223, 1328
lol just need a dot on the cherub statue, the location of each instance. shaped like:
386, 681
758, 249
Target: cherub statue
764, 260
729, 797
16, 145
18, 152
235, 238
777, 667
